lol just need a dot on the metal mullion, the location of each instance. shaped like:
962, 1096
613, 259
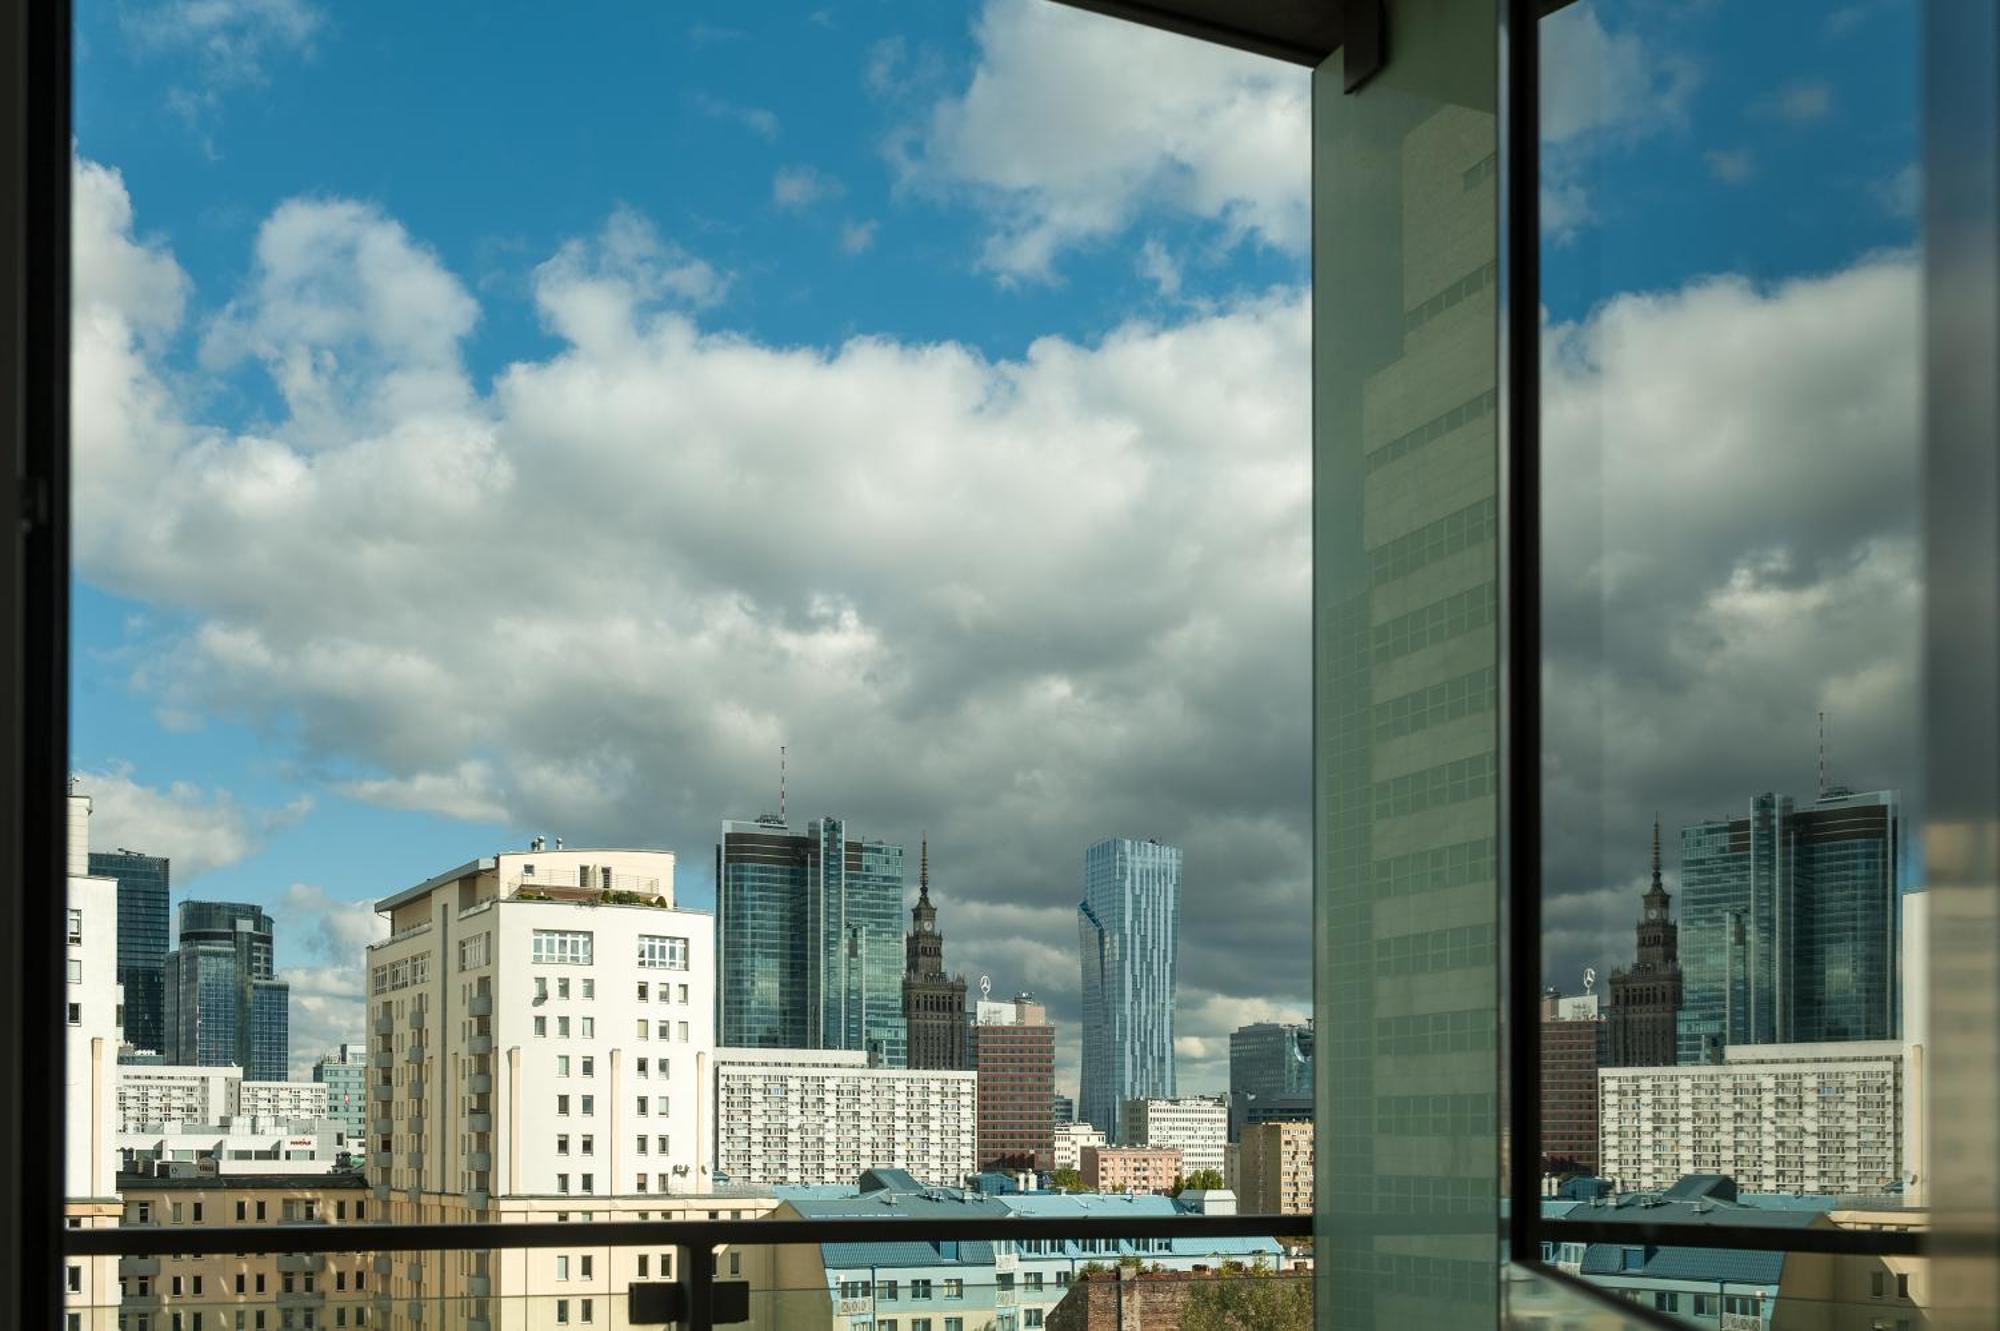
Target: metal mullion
155, 1240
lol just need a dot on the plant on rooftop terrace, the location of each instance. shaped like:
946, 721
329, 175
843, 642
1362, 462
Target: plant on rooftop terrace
1066, 1180
1200, 1180
1242, 1298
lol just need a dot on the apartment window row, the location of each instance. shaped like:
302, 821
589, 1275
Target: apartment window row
562, 947
587, 1105
662, 952
587, 988
586, 1183
668, 993
666, 1030
401, 974
660, 1104
475, 951
641, 1140
585, 1313
75, 925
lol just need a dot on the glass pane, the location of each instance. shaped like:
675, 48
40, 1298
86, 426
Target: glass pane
1405, 603
1734, 947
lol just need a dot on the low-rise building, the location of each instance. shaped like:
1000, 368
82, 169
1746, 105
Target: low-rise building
1818, 1118
1129, 1169
806, 1116
979, 1286
1126, 1296
234, 1289
1195, 1125
242, 1145
1274, 1172
1071, 1138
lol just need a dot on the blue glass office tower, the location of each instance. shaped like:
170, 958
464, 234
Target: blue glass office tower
1270, 1074
223, 1001
809, 940
1789, 919
143, 889
1128, 927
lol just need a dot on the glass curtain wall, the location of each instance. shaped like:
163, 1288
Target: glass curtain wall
1406, 601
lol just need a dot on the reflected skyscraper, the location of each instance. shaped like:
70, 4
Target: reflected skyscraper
1128, 927
1788, 928
223, 1000
809, 939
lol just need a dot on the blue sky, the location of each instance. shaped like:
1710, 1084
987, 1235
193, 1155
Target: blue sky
505, 418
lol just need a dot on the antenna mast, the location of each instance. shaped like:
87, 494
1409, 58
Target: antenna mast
1822, 755
781, 783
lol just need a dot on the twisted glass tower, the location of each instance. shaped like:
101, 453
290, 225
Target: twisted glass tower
1128, 928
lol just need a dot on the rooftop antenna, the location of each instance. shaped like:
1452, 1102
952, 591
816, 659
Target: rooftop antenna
1822, 755
781, 783
1656, 852
924, 871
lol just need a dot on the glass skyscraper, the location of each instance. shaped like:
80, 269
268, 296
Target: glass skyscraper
143, 889
223, 1001
1128, 927
1788, 928
1270, 1074
809, 940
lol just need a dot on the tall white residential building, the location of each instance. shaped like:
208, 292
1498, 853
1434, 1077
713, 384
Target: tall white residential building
282, 1099
1195, 1125
540, 1029
92, 1002
1776, 1118
175, 1093
793, 1116
1071, 1138
1916, 1015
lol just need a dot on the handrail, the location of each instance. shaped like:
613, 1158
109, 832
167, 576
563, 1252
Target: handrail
196, 1240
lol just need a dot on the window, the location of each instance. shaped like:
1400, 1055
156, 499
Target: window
589, 1067
562, 987
643, 1262
560, 947
75, 1011
75, 971
562, 1028
645, 1029
562, 1312
584, 1309
666, 1030
955, 1289
562, 1104
885, 1291
1032, 1279
541, 1027
642, 991
920, 1289
589, 1105
640, 1186
641, 1143
1903, 1285
562, 1143
1878, 1283
75, 925
660, 1106
586, 1145
588, 1028
562, 1065
562, 1183
683, 1032
639, 1067
663, 953
541, 989
1031, 1317
683, 992
1666, 1301
590, 988
74, 1274
660, 1144
589, 1183
954, 1324
643, 1104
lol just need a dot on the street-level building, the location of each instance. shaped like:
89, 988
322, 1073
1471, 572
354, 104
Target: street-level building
1195, 1125
823, 1116
1825, 1118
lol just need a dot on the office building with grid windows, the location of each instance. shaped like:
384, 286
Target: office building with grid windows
223, 1000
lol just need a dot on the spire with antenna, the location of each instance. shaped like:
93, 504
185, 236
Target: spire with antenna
1656, 852
924, 870
1822, 755
781, 783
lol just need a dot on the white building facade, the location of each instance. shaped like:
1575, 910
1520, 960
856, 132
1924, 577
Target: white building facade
802, 1116
540, 1029
92, 1003
245, 1145
282, 1099
1071, 1138
1822, 1118
174, 1093
1197, 1126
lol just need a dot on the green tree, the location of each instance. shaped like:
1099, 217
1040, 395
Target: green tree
1200, 1180
1249, 1299
1066, 1180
